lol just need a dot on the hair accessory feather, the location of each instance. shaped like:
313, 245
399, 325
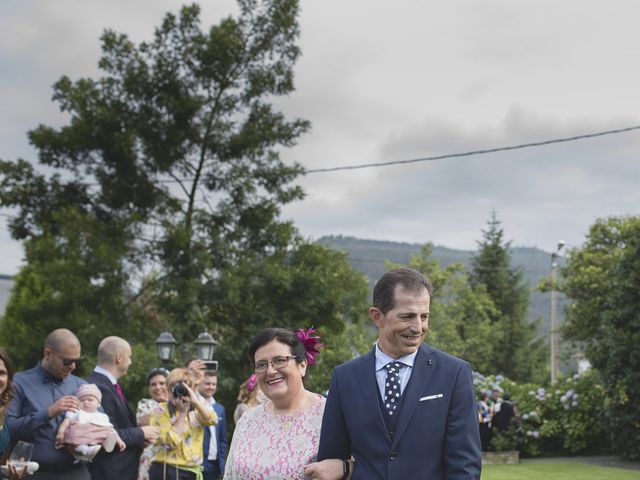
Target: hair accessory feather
251, 382
311, 343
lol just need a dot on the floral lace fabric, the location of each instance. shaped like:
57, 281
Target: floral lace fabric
146, 405
268, 447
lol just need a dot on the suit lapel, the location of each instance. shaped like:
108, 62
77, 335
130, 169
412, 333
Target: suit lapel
124, 404
106, 382
370, 391
420, 375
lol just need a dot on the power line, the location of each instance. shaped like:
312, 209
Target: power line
433, 158
473, 152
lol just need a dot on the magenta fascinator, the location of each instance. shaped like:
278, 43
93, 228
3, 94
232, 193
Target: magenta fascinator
251, 382
311, 343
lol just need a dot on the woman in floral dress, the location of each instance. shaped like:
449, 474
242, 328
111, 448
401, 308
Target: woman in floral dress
157, 385
279, 438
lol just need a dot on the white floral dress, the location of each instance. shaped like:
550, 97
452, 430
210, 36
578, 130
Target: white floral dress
267, 446
145, 406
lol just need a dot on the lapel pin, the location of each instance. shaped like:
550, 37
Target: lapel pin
429, 362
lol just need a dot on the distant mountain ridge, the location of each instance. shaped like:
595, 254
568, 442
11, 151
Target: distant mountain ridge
369, 256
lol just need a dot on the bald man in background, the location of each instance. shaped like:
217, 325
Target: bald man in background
114, 359
42, 396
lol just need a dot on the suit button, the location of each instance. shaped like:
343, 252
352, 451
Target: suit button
393, 456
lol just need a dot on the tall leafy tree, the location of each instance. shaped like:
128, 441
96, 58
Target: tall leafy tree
517, 353
157, 205
602, 278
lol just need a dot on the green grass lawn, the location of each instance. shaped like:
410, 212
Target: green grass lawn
555, 471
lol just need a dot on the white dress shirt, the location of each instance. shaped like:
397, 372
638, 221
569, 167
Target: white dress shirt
383, 359
213, 442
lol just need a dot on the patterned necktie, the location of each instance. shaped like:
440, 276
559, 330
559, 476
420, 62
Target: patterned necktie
392, 387
120, 392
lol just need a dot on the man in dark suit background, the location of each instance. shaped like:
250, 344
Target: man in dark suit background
114, 359
405, 409
215, 443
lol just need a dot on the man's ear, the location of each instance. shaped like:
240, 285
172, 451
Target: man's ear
376, 316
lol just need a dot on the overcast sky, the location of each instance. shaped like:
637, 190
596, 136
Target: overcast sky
383, 81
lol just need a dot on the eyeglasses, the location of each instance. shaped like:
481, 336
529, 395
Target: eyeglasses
67, 362
278, 363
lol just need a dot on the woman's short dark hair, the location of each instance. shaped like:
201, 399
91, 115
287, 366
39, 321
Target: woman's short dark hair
155, 372
410, 280
282, 335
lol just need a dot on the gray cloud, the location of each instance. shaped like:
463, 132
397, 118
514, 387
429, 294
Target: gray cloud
387, 81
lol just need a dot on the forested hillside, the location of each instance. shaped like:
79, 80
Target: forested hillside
369, 257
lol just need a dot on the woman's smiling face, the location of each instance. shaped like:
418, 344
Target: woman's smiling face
4, 377
158, 388
284, 383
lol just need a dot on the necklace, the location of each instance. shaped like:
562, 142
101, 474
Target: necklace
286, 419
286, 423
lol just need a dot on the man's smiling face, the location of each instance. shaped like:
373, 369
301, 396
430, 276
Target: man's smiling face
403, 328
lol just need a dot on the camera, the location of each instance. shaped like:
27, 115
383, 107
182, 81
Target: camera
211, 365
179, 390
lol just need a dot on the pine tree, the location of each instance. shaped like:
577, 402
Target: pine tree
157, 205
517, 352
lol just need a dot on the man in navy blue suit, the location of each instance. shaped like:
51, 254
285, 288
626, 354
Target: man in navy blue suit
114, 359
215, 437
405, 409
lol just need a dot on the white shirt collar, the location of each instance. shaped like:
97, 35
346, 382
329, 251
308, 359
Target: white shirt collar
106, 373
382, 358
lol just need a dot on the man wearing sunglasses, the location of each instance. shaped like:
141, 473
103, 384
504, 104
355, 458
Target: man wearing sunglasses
42, 396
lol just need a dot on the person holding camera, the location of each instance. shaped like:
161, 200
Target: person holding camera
181, 423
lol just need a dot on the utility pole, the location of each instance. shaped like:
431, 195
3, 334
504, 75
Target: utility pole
554, 314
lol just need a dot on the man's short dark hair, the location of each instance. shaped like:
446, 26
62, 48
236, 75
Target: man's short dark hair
409, 279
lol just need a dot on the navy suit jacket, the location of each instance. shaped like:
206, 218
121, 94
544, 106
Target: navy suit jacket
221, 438
117, 465
437, 434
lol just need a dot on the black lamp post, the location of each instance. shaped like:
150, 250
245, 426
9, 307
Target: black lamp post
205, 346
166, 345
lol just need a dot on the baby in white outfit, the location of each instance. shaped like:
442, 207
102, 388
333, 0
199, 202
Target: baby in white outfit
87, 430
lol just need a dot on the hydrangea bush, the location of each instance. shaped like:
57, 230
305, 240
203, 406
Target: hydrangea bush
566, 419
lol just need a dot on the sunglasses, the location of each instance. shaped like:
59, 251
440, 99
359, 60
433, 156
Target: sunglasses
67, 362
158, 371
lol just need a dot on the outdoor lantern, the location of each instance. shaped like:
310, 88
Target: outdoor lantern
166, 344
205, 345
